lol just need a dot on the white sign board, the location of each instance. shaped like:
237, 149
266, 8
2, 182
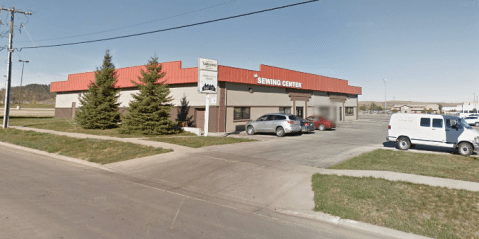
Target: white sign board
207, 76
208, 82
207, 65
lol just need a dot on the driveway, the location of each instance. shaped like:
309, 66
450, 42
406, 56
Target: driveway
319, 149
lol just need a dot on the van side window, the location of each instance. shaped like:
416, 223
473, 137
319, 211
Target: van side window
426, 122
437, 123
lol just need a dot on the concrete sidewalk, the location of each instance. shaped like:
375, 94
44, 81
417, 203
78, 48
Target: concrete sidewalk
175, 147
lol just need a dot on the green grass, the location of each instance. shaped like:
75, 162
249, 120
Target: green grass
97, 151
65, 125
435, 165
198, 141
424, 210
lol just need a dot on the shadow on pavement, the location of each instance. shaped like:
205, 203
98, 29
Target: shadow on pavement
426, 148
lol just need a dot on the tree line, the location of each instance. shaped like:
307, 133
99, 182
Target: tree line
148, 112
31, 93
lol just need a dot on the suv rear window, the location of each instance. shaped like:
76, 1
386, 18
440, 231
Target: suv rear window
293, 117
279, 117
426, 122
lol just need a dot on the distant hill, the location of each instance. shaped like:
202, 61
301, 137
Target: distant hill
398, 102
32, 92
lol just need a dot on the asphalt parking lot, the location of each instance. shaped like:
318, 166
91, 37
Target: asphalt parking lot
318, 149
324, 148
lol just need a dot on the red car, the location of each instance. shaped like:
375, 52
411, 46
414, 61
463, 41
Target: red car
321, 123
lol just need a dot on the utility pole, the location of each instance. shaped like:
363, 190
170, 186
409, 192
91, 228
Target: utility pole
6, 115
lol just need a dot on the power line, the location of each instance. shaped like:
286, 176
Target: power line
169, 29
138, 24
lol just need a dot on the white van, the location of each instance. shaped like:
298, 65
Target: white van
434, 130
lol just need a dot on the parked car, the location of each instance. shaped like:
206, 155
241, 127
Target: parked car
321, 123
307, 126
278, 123
472, 120
433, 130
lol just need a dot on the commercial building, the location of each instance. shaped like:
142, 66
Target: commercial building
242, 95
417, 109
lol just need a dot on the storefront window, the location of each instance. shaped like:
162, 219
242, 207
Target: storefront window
242, 113
349, 111
285, 110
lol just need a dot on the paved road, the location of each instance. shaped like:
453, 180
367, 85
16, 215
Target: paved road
318, 149
30, 112
47, 198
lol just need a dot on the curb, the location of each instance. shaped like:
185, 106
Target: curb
335, 220
56, 156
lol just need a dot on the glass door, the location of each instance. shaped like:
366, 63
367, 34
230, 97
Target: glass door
299, 111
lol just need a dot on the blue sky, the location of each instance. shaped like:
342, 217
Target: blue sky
428, 50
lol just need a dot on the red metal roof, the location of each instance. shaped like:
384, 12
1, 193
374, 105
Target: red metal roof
177, 75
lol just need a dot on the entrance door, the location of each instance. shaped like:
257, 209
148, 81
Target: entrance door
200, 118
299, 111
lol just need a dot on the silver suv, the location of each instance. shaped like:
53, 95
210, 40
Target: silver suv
280, 124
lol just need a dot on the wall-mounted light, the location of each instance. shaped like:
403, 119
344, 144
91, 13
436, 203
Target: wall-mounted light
255, 75
250, 90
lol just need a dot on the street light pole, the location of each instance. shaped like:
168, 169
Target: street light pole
21, 81
385, 112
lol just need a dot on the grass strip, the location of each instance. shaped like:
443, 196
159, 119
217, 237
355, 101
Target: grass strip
198, 141
92, 150
424, 210
435, 165
68, 125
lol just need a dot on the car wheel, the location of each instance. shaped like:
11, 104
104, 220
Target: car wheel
465, 149
322, 127
280, 132
250, 130
403, 143
477, 124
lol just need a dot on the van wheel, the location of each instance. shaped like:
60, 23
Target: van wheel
477, 124
322, 127
403, 143
250, 130
465, 149
280, 132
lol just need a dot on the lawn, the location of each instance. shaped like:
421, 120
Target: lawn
198, 141
68, 125
424, 210
97, 151
436, 165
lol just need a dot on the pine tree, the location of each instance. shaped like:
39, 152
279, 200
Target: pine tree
183, 111
149, 112
99, 105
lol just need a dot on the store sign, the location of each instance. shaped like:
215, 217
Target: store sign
283, 83
207, 65
207, 76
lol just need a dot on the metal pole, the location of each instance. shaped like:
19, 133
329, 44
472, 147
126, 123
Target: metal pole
21, 81
385, 112
207, 114
6, 114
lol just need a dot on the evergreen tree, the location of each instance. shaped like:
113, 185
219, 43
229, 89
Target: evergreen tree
183, 111
149, 112
99, 107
